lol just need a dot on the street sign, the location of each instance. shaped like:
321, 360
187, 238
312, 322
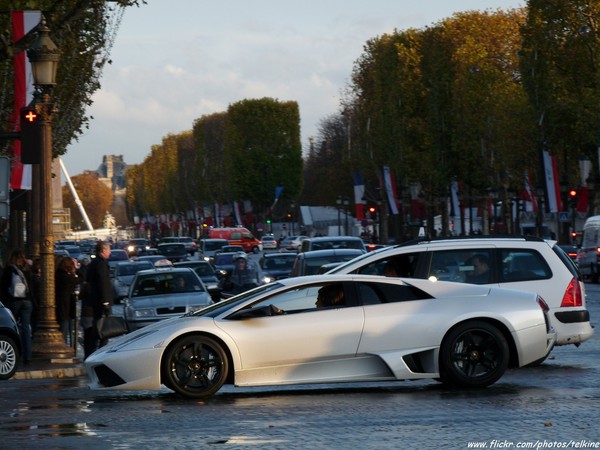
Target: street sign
564, 216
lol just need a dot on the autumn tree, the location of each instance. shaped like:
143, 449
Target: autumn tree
94, 195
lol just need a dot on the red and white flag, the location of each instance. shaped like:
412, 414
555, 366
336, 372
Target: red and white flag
22, 23
552, 186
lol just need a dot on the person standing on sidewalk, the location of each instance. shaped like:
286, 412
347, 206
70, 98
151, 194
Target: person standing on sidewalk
16, 293
64, 285
99, 299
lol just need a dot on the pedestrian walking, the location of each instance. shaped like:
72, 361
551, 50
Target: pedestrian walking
99, 298
16, 293
64, 285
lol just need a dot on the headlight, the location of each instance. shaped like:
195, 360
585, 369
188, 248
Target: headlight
142, 313
267, 280
212, 286
130, 248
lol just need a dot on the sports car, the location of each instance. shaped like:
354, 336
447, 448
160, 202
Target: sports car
333, 328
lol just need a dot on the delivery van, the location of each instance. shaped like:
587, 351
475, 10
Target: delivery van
237, 236
588, 256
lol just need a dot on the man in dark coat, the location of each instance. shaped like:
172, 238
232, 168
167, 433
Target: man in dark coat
99, 299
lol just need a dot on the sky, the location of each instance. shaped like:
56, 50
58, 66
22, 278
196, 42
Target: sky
174, 61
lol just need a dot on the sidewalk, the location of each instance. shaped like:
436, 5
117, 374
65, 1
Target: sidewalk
50, 368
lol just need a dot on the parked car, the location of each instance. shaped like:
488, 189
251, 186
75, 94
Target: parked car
10, 343
190, 244
276, 266
269, 242
384, 329
207, 273
156, 294
309, 263
332, 242
292, 242
529, 263
173, 252
123, 276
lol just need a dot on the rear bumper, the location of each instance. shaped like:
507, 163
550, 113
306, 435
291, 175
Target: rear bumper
572, 327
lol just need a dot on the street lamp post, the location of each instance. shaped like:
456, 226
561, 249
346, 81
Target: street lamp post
48, 341
338, 202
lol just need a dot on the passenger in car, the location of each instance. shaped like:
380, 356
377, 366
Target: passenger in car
481, 270
330, 295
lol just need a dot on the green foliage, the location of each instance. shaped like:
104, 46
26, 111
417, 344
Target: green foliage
84, 32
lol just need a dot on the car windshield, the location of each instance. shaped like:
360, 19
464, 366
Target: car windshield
278, 263
123, 270
174, 249
210, 246
166, 283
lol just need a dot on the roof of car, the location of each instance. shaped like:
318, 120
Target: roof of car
332, 252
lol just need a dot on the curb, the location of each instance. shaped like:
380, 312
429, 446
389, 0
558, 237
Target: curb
54, 368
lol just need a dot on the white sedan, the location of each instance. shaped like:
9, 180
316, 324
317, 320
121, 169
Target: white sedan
375, 329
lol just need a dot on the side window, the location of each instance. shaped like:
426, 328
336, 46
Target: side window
235, 236
403, 265
312, 298
376, 293
523, 265
462, 266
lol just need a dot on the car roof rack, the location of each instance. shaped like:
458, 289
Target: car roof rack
527, 237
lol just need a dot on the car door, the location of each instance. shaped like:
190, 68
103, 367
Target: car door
304, 344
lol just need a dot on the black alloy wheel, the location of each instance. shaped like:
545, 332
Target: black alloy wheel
473, 354
195, 367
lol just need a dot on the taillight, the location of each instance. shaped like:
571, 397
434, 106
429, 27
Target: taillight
573, 295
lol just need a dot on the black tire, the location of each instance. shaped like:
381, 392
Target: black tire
9, 357
473, 354
195, 367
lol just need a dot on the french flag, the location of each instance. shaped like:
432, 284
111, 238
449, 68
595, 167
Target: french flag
22, 23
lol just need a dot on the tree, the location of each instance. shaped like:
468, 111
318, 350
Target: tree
84, 31
95, 195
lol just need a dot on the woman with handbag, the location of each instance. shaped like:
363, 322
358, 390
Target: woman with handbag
16, 293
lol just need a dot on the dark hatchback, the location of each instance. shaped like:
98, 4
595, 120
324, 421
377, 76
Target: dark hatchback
10, 344
276, 266
310, 263
173, 252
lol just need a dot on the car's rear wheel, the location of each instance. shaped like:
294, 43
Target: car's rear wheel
9, 357
473, 354
195, 367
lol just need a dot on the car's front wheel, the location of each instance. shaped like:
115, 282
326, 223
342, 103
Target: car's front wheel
473, 354
195, 367
9, 357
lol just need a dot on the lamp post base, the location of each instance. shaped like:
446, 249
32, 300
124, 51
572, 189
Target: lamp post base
50, 344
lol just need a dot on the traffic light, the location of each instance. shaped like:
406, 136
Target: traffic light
372, 209
573, 198
31, 136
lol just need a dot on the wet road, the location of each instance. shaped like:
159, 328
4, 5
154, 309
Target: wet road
555, 405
